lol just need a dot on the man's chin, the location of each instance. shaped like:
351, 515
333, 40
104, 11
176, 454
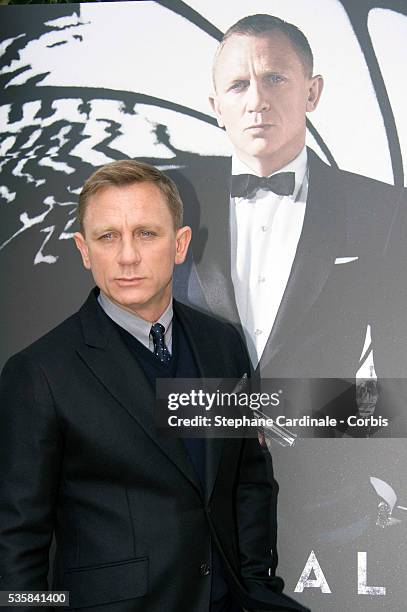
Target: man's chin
259, 148
129, 298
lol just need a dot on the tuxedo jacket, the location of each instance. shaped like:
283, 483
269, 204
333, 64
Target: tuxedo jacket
338, 282
80, 455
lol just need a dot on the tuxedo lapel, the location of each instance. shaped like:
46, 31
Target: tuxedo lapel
319, 243
109, 359
211, 245
202, 348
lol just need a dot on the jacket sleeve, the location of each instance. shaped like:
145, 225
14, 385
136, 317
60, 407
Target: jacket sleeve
30, 456
256, 502
256, 515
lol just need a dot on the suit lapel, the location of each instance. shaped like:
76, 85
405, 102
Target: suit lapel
211, 244
319, 243
202, 348
107, 356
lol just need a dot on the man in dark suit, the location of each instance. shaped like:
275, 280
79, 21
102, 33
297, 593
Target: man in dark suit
142, 522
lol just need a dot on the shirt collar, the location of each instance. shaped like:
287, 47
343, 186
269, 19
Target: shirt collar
132, 323
298, 165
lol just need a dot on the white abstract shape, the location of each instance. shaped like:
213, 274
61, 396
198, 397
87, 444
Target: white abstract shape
177, 74
384, 490
319, 582
29, 111
28, 222
94, 133
344, 260
40, 257
388, 30
67, 110
166, 167
18, 170
7, 144
43, 46
183, 49
65, 235
58, 166
74, 191
4, 114
367, 369
186, 134
6, 43
6, 194
63, 22
31, 140
363, 589
62, 135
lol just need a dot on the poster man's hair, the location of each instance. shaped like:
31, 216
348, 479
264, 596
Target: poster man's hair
262, 24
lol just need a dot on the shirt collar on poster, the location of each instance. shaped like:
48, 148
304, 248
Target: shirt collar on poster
298, 165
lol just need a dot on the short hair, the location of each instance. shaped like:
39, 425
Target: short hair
126, 172
262, 24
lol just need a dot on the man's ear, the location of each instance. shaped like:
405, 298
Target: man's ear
83, 249
314, 93
214, 102
183, 238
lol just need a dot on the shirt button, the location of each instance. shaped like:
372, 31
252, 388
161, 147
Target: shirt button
261, 279
258, 332
264, 228
204, 570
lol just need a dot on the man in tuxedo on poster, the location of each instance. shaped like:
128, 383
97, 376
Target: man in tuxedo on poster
303, 261
288, 247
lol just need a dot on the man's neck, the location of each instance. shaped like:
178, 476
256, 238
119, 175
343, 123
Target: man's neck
134, 324
148, 315
265, 166
298, 165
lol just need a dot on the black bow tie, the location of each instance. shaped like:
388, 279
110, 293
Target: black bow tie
245, 185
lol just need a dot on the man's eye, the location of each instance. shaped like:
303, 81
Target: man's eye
275, 78
107, 237
239, 85
146, 234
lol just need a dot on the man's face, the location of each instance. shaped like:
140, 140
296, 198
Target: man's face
262, 94
131, 246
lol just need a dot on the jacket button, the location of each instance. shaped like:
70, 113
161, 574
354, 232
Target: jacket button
204, 570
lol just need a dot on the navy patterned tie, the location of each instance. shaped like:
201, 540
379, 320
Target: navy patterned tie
160, 350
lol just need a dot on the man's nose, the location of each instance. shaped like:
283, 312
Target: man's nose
129, 252
257, 98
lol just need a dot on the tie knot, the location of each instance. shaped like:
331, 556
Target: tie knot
160, 350
157, 331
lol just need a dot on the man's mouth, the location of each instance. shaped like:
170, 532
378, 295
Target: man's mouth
128, 280
259, 126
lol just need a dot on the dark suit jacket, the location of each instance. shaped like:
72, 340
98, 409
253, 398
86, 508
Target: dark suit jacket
79, 453
321, 324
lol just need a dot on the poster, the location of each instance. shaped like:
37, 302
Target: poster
87, 84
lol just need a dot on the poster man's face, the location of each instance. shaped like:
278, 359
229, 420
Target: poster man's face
262, 94
131, 246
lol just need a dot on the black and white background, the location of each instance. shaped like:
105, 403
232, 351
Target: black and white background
83, 85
